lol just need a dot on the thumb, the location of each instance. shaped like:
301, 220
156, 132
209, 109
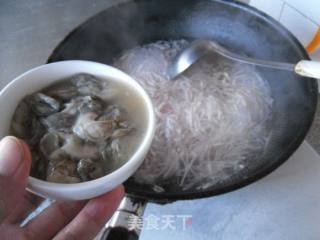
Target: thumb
15, 161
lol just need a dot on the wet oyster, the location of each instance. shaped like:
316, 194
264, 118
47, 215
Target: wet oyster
43, 105
73, 131
89, 169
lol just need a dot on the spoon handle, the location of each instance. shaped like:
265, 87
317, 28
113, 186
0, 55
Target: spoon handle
308, 68
214, 47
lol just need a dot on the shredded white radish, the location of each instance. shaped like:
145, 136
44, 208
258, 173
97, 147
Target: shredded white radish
211, 122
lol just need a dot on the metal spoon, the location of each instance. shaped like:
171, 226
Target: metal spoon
200, 48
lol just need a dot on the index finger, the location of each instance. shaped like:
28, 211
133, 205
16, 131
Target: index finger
88, 223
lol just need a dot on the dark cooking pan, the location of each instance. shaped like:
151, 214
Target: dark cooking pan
237, 27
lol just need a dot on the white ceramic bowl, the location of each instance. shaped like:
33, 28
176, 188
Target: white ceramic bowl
43, 76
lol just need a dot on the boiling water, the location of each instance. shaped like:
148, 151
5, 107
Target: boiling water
211, 122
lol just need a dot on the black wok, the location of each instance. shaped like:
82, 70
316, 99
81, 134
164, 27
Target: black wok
236, 26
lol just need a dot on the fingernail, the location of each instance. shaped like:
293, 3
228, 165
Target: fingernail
11, 155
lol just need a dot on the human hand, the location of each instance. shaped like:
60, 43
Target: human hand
62, 220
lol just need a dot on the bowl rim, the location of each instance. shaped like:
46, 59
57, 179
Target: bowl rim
133, 160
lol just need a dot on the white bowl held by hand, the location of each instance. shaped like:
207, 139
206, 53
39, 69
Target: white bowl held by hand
44, 76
